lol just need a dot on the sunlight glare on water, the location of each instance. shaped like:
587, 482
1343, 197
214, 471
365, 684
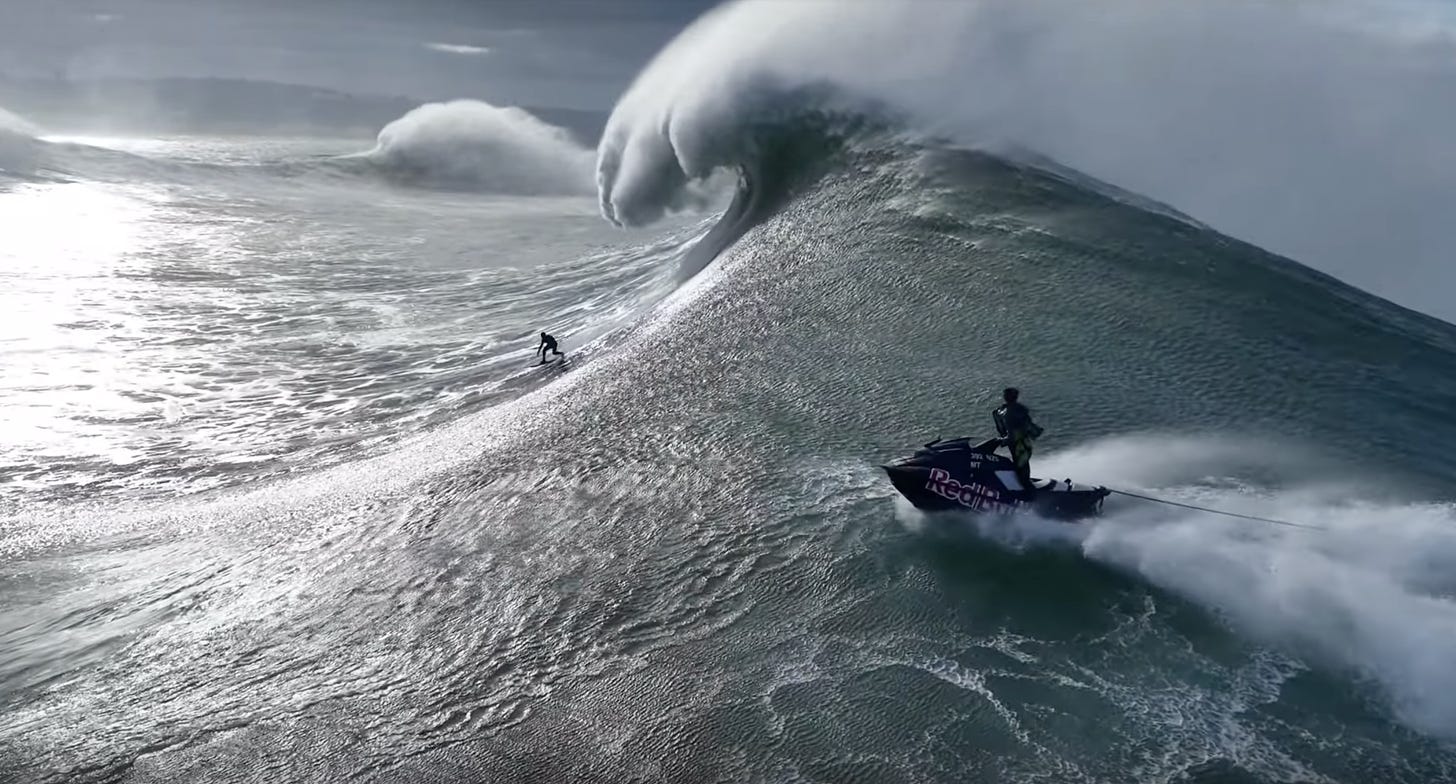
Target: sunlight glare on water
68, 291
236, 310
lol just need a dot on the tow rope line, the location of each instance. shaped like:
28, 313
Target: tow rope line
1218, 511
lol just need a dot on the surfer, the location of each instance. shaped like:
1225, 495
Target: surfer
548, 342
1017, 431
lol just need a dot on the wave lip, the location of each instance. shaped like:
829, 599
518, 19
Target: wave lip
472, 145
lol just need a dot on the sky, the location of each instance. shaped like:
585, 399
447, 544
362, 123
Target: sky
569, 53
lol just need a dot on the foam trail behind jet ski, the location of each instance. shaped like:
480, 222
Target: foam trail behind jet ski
1021, 533
1375, 594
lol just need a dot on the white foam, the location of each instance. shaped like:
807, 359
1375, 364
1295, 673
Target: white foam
474, 144
1374, 594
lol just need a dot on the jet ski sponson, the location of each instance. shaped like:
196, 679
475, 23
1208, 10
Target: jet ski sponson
958, 475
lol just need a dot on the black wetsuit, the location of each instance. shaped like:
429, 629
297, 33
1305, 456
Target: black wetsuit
1017, 431
548, 343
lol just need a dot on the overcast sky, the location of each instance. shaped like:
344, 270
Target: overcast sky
575, 53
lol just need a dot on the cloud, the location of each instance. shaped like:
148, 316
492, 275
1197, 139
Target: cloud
458, 48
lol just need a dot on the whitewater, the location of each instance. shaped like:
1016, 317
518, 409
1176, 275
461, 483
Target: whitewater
286, 497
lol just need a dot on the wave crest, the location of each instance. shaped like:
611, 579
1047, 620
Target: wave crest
473, 145
653, 160
1293, 125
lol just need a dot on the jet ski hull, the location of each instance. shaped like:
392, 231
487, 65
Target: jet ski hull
960, 476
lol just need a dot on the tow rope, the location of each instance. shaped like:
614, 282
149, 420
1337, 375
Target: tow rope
1218, 511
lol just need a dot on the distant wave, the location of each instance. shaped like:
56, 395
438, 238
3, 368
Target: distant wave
460, 145
13, 123
18, 154
1304, 127
27, 152
473, 145
27, 157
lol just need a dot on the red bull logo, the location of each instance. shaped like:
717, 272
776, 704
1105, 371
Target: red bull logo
968, 494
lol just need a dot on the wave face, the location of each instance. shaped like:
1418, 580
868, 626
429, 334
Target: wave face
476, 146
1317, 130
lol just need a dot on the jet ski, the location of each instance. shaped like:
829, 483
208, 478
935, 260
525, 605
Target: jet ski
959, 475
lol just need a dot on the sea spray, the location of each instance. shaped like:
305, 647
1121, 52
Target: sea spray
1372, 593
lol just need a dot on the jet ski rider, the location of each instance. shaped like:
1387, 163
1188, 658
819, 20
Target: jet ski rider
1017, 431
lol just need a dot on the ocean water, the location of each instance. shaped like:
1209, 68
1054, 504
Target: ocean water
284, 497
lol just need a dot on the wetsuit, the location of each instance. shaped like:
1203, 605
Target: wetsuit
548, 342
1017, 431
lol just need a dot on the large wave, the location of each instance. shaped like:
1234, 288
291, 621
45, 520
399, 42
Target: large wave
1322, 131
474, 145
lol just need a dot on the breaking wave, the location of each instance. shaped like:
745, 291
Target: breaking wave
1295, 126
473, 145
